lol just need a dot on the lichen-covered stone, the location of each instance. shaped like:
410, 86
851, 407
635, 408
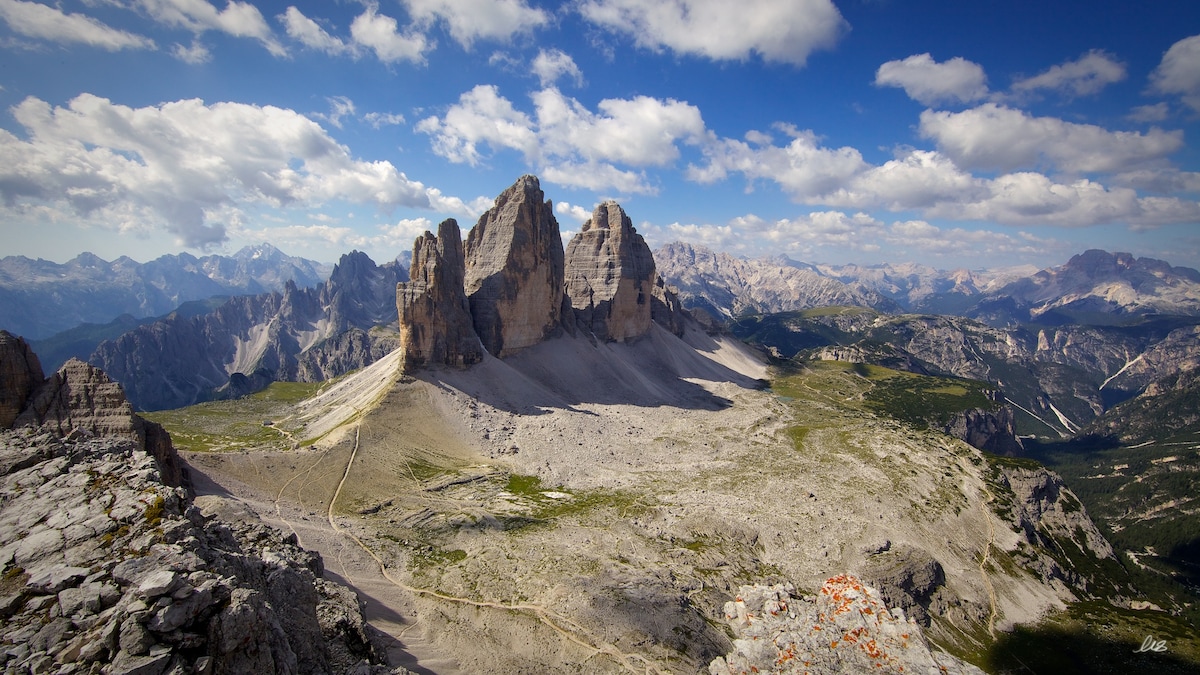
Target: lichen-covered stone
846, 628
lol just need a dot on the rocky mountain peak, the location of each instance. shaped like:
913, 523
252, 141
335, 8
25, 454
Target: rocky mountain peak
610, 276
514, 270
435, 317
20, 373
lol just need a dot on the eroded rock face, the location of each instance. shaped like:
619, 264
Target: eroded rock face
514, 270
108, 569
20, 374
845, 628
435, 317
610, 276
80, 396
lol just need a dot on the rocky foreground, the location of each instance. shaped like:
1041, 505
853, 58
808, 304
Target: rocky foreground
108, 566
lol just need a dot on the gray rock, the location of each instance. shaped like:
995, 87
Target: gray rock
435, 317
159, 582
514, 270
55, 578
610, 276
140, 664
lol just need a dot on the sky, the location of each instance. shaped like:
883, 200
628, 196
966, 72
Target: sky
977, 134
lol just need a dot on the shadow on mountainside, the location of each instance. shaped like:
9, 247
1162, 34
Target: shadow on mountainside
651, 371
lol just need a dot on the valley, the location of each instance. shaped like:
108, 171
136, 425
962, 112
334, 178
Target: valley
613, 533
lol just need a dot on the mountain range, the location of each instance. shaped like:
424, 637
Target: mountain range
1092, 287
249, 341
39, 298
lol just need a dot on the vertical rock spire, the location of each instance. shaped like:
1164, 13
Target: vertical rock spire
610, 276
435, 321
514, 270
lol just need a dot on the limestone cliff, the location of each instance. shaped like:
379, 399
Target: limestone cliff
514, 270
435, 317
610, 276
20, 373
81, 401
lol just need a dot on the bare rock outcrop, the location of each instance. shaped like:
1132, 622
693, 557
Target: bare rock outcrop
106, 569
610, 276
845, 628
20, 374
435, 317
514, 270
80, 400
79, 396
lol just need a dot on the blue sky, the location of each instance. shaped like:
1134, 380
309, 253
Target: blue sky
954, 134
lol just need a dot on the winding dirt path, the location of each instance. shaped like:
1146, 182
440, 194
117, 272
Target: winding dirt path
987, 555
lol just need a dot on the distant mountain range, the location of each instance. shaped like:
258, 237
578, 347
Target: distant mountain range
39, 298
1095, 287
299, 334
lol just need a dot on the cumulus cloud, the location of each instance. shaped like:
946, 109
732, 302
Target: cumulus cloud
186, 165
784, 31
310, 33
572, 211
551, 65
381, 34
803, 168
993, 136
35, 20
573, 146
239, 19
918, 235
1179, 72
1084, 76
481, 116
471, 20
930, 82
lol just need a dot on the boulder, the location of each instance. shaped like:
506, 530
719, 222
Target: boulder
610, 276
435, 317
514, 270
20, 374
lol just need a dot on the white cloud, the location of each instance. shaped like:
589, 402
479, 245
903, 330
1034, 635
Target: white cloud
481, 116
551, 65
378, 120
572, 145
339, 107
310, 34
1179, 72
379, 33
35, 20
1157, 112
785, 31
958, 242
572, 211
930, 82
597, 176
802, 168
470, 20
1085, 76
992, 136
239, 19
639, 131
185, 166
194, 54
919, 179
